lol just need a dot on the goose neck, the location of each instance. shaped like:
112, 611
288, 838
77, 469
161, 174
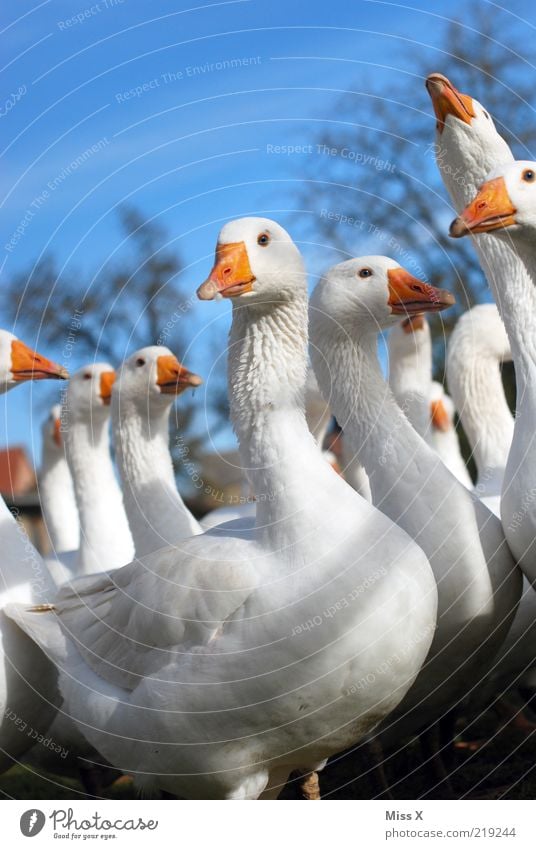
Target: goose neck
58, 504
410, 378
103, 528
377, 430
267, 368
510, 267
477, 391
88, 455
156, 514
267, 371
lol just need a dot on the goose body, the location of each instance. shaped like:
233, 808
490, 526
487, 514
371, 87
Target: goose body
232, 660
29, 696
478, 583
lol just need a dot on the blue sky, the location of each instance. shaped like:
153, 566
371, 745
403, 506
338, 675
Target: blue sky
178, 104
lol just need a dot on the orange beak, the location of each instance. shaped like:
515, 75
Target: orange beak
409, 296
29, 365
447, 100
56, 433
414, 322
107, 380
490, 210
336, 468
172, 377
439, 416
231, 275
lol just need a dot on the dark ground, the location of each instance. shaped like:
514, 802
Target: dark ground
502, 768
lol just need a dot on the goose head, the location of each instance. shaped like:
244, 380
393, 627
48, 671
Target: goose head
467, 144
450, 104
461, 116
256, 263
19, 363
89, 393
453, 108
371, 293
51, 430
153, 376
506, 201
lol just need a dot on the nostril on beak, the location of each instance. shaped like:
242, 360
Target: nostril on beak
226, 271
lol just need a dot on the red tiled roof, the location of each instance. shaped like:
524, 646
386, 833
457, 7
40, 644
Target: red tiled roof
17, 475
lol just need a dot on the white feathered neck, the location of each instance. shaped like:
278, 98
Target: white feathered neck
475, 383
410, 374
365, 407
105, 540
56, 493
267, 373
156, 512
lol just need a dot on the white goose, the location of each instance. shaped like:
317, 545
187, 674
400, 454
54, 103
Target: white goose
205, 655
147, 385
28, 682
105, 538
422, 399
56, 491
468, 148
477, 347
506, 206
478, 583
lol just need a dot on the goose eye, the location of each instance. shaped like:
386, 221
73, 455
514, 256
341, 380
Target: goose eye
87, 376
365, 272
140, 361
529, 175
263, 240
485, 114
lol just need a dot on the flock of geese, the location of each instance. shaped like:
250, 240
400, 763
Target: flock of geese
329, 612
